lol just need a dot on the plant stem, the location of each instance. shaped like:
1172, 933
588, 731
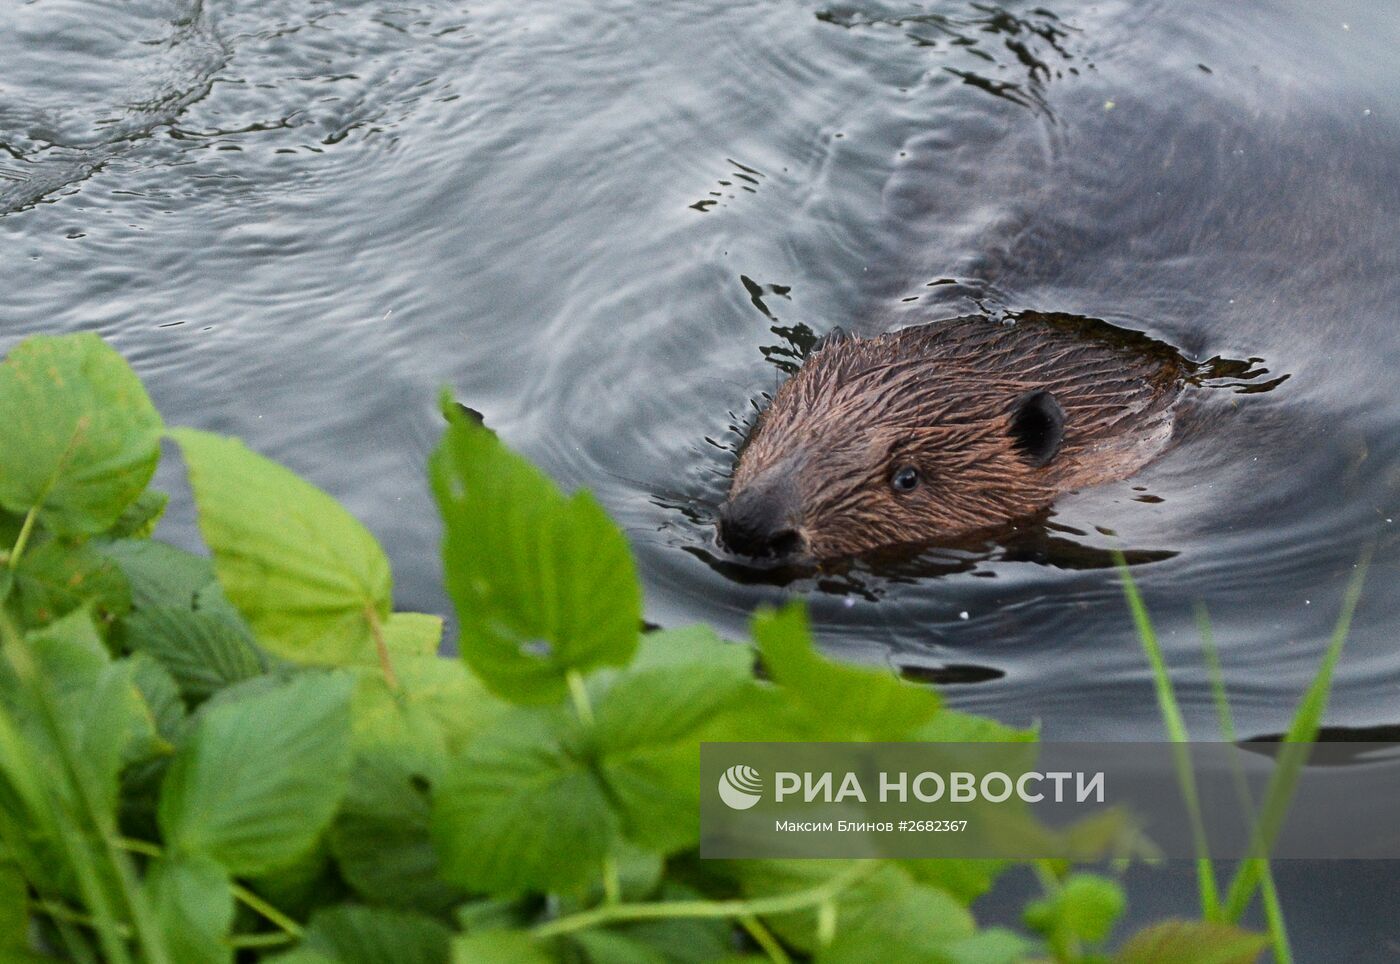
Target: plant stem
1050, 883
33, 514
290, 927
758, 907
61, 912
612, 882
764, 938
23, 539
1273, 910
1307, 719
269, 939
578, 692
1176, 731
376, 629
80, 813
145, 848
826, 923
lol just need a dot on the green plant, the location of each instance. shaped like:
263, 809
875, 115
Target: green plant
1254, 872
254, 754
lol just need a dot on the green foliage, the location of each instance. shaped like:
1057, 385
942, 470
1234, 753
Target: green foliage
353, 934
544, 585
80, 436
193, 902
1192, 942
1080, 910
253, 757
261, 777
1254, 872
312, 582
876, 705
204, 651
524, 774
52, 579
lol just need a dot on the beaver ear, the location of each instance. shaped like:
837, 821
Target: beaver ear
1037, 426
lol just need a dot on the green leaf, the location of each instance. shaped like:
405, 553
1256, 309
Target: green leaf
844, 702
303, 955
993, 946
14, 912
161, 693
499, 947
159, 574
954, 726
689, 645
413, 634
375, 935
382, 838
664, 704
612, 947
308, 577
887, 910
964, 879
521, 809
1192, 942
115, 726
204, 651
542, 584
382, 718
193, 904
139, 519
679, 940
147, 763
301, 884
491, 913
80, 438
69, 653
97, 700
52, 580
1084, 908
444, 692
261, 776
436, 709
647, 733
636, 874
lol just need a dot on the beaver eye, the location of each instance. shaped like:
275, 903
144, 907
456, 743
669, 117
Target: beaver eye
905, 479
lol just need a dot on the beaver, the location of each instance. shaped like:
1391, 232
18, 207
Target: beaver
944, 430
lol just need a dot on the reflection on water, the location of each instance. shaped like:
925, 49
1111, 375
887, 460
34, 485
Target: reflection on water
614, 230
1032, 47
118, 87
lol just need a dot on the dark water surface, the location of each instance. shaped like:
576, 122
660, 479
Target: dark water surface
611, 225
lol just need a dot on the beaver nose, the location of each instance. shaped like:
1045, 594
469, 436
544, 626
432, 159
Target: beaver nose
761, 521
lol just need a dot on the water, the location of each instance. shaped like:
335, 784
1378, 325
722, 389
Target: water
609, 226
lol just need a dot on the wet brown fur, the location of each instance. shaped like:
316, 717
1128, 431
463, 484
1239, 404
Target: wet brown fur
940, 397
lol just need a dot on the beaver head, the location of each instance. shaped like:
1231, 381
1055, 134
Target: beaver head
941, 430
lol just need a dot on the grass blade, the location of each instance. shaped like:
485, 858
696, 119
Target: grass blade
1176, 731
1306, 722
1273, 910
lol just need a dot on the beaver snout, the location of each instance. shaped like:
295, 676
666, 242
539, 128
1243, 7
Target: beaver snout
762, 520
